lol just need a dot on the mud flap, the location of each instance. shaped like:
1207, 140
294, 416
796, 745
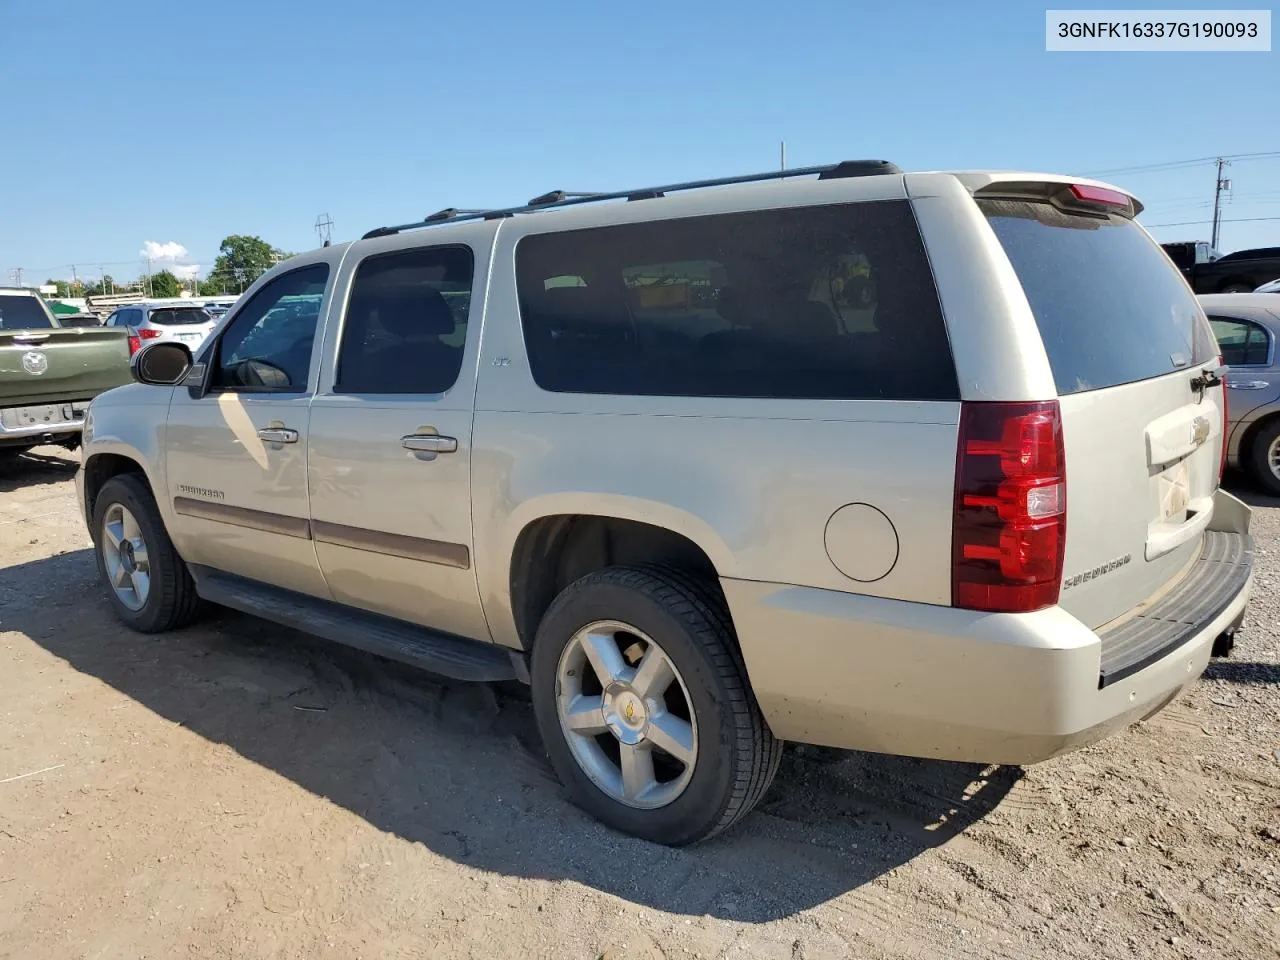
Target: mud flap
1230, 515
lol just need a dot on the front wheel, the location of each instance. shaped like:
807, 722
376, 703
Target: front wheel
150, 587
643, 706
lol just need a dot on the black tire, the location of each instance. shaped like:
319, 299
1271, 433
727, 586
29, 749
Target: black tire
1257, 463
689, 619
172, 601
1236, 286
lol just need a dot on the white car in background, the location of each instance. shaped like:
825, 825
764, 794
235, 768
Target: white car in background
1272, 287
187, 323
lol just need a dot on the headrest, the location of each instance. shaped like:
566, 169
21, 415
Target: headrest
409, 311
580, 306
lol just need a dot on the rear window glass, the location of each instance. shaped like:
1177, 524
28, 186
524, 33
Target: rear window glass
23, 313
824, 302
179, 316
1110, 307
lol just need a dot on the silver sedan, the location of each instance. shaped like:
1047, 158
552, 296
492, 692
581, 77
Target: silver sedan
1247, 325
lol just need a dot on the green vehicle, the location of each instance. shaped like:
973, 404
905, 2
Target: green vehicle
49, 373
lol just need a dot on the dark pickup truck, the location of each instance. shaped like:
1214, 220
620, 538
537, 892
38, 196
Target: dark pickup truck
48, 373
1211, 272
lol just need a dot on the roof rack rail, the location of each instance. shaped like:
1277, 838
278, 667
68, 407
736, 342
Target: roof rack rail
449, 213
561, 198
555, 196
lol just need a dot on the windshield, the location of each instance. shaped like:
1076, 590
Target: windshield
179, 316
1111, 309
23, 313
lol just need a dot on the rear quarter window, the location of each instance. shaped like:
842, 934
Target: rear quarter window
1110, 306
823, 302
179, 316
23, 313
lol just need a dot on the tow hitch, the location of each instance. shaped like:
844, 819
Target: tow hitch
1225, 642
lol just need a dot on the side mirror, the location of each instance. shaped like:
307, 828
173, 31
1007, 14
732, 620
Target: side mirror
161, 364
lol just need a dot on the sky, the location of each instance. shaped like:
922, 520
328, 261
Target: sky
135, 128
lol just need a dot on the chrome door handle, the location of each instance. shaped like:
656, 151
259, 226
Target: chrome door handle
429, 443
278, 435
1248, 384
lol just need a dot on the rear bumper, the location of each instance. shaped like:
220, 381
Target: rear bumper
68, 423
867, 673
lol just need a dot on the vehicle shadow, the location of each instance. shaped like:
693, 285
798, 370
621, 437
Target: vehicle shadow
1245, 672
459, 768
40, 466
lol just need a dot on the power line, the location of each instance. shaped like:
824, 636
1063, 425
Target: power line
1175, 164
1192, 223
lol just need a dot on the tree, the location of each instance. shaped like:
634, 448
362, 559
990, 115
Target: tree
165, 284
105, 285
241, 260
64, 288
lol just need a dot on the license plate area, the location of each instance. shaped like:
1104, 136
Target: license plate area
1174, 485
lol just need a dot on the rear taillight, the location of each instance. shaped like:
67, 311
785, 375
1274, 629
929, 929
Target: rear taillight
137, 336
1010, 522
1222, 464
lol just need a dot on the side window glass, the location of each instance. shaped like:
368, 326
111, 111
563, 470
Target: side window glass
406, 322
823, 302
1257, 346
268, 345
113, 320
1241, 342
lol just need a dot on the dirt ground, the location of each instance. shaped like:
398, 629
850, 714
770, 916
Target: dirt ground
236, 790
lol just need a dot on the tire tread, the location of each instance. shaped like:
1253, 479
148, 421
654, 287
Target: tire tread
701, 607
178, 604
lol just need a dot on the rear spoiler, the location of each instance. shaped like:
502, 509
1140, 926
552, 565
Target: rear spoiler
1074, 196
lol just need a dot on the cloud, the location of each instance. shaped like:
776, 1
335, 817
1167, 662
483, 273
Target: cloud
151, 250
186, 271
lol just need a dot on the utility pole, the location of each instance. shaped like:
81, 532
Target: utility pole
75, 281
1218, 187
782, 155
324, 229
16, 276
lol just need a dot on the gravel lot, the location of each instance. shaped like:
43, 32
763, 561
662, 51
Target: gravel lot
237, 790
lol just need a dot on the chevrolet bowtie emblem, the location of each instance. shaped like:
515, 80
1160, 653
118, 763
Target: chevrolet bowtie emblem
1199, 430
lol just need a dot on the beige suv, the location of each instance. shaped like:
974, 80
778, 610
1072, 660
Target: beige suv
921, 463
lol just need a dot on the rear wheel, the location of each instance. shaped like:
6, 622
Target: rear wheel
642, 703
150, 588
1235, 287
1264, 457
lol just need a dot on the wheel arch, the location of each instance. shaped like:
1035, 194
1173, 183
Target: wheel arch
552, 549
1227, 282
99, 467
